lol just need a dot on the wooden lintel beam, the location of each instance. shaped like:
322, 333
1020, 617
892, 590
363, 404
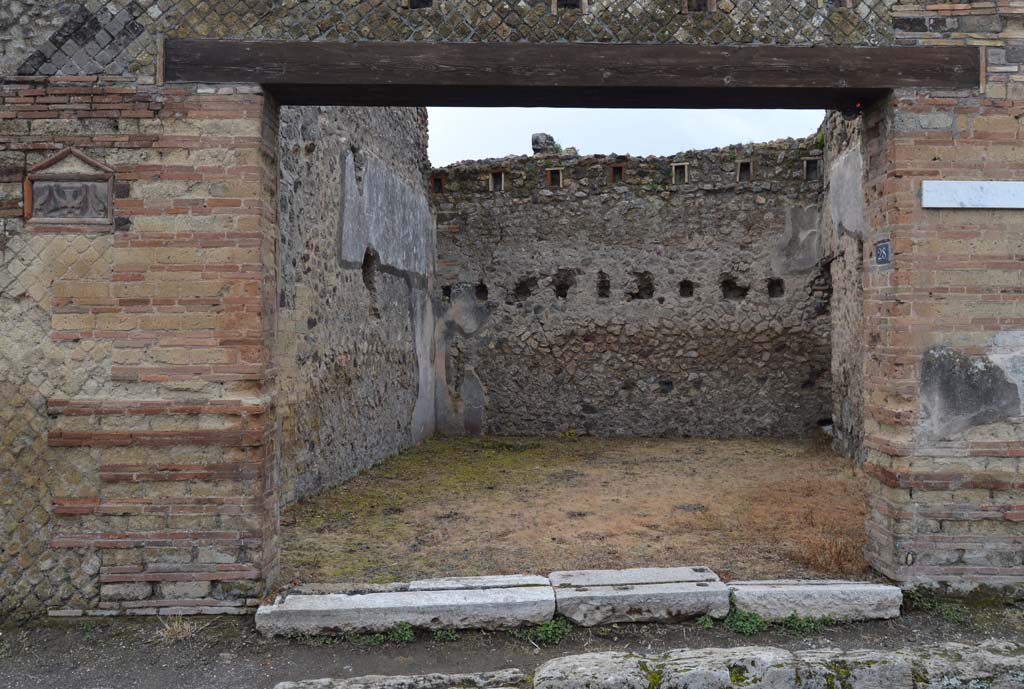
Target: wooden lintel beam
565, 74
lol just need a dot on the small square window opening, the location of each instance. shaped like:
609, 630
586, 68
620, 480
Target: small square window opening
555, 177
420, 4
498, 181
744, 171
812, 169
437, 184
680, 173
617, 174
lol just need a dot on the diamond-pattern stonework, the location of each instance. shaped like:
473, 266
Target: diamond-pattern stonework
117, 37
34, 368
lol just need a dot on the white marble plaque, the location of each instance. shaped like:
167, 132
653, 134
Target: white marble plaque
972, 194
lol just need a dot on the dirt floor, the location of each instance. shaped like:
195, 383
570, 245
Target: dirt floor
229, 654
750, 508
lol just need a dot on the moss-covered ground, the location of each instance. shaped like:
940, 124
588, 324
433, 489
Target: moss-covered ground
465, 506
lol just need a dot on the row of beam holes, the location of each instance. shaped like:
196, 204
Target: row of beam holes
643, 288
617, 175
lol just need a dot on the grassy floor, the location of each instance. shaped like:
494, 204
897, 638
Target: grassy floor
746, 508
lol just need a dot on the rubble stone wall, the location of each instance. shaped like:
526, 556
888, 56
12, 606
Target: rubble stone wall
354, 337
618, 300
845, 231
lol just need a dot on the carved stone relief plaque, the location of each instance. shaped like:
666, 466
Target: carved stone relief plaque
70, 188
80, 200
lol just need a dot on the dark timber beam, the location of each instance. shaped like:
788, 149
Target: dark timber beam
570, 74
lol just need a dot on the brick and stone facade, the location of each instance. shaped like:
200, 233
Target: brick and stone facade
138, 445
614, 295
175, 375
141, 456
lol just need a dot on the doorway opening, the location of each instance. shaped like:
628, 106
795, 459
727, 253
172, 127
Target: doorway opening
632, 366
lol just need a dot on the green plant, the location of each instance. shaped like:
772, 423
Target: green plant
445, 635
804, 625
706, 621
401, 633
88, 627
923, 598
746, 623
930, 599
549, 633
655, 673
953, 612
738, 676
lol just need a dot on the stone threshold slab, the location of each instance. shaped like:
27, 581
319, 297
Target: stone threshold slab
498, 608
593, 597
626, 603
501, 581
641, 575
843, 601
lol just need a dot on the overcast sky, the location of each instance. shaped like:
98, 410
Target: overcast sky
472, 133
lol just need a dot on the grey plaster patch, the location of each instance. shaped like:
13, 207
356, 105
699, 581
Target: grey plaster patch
424, 414
959, 392
383, 210
474, 401
846, 194
799, 250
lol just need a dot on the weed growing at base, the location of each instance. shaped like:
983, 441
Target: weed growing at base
746, 623
549, 633
401, 633
929, 599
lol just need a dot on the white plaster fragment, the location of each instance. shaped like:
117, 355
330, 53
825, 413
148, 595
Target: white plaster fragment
972, 194
1006, 351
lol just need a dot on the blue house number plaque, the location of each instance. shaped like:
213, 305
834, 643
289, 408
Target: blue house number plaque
883, 253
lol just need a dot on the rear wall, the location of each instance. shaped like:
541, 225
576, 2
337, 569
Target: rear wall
639, 307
